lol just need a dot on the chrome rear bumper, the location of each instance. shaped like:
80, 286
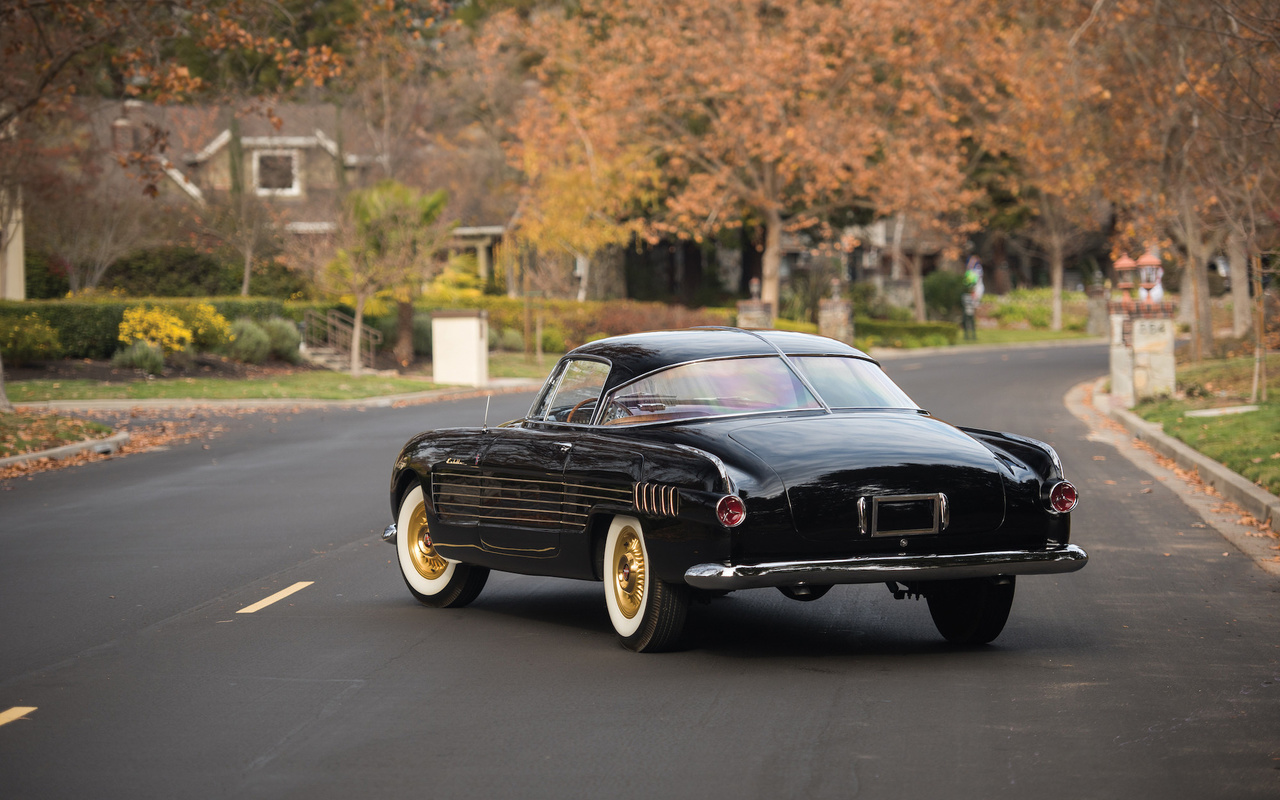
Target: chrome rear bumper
881, 569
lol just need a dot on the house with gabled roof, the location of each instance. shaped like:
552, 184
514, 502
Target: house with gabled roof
297, 157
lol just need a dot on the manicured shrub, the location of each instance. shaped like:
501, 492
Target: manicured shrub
156, 325
943, 293
141, 355
510, 340
552, 340
249, 342
209, 329
887, 333
578, 322
284, 339
800, 326
1040, 316
28, 339
255, 308
88, 327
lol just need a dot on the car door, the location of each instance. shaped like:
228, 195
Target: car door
523, 467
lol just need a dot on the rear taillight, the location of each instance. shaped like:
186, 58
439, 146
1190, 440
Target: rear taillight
1063, 497
731, 511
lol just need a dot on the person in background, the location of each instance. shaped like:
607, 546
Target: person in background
972, 296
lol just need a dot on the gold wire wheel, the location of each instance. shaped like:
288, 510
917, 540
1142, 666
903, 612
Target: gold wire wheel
426, 560
629, 577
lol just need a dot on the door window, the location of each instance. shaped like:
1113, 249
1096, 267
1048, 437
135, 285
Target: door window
576, 391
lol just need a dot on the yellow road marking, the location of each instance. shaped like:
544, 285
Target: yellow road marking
275, 598
17, 712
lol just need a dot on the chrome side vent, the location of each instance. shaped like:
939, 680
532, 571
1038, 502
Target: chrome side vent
518, 501
657, 499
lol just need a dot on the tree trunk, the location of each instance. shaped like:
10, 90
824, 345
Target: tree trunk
5, 406
1195, 281
356, 335
916, 268
895, 270
404, 333
1241, 305
771, 268
248, 265
583, 265
1055, 276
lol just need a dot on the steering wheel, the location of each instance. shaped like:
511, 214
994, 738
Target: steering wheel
574, 410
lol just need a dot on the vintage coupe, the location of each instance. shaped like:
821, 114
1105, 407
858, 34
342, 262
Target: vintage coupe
683, 463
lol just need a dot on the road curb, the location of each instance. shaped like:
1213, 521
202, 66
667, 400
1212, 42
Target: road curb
106, 446
1264, 506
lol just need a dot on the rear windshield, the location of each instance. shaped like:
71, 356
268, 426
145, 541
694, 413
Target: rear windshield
709, 389
851, 382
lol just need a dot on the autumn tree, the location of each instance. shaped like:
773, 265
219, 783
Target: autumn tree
940, 81
748, 109
1194, 88
1052, 125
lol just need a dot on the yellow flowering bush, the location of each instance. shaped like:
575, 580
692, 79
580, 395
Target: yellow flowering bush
154, 325
210, 331
30, 339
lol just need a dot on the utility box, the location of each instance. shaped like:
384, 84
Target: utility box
460, 347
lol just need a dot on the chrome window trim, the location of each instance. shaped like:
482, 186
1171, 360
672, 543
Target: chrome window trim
552, 386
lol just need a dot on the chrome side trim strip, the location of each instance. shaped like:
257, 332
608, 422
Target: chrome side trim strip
880, 569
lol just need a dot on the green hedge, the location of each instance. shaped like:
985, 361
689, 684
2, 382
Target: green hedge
575, 323
89, 328
887, 333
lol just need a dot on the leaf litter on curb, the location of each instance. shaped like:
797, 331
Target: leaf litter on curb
149, 429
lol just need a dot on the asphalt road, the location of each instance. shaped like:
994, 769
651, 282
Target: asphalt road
1154, 672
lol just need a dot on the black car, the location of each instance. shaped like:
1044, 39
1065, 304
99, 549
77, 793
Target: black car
680, 463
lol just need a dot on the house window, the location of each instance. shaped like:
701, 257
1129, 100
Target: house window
275, 172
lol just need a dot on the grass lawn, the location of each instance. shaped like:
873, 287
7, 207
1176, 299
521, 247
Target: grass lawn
25, 433
503, 364
314, 384
1248, 443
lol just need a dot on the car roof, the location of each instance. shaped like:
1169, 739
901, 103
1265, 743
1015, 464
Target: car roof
638, 354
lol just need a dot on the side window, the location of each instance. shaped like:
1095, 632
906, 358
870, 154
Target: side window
574, 396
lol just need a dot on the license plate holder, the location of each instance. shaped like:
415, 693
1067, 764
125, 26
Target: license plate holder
904, 514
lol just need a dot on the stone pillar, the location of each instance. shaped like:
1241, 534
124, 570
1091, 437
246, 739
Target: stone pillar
835, 315
1121, 362
1153, 360
835, 319
1097, 304
755, 313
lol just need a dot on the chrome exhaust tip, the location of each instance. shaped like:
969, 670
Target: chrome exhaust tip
389, 535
